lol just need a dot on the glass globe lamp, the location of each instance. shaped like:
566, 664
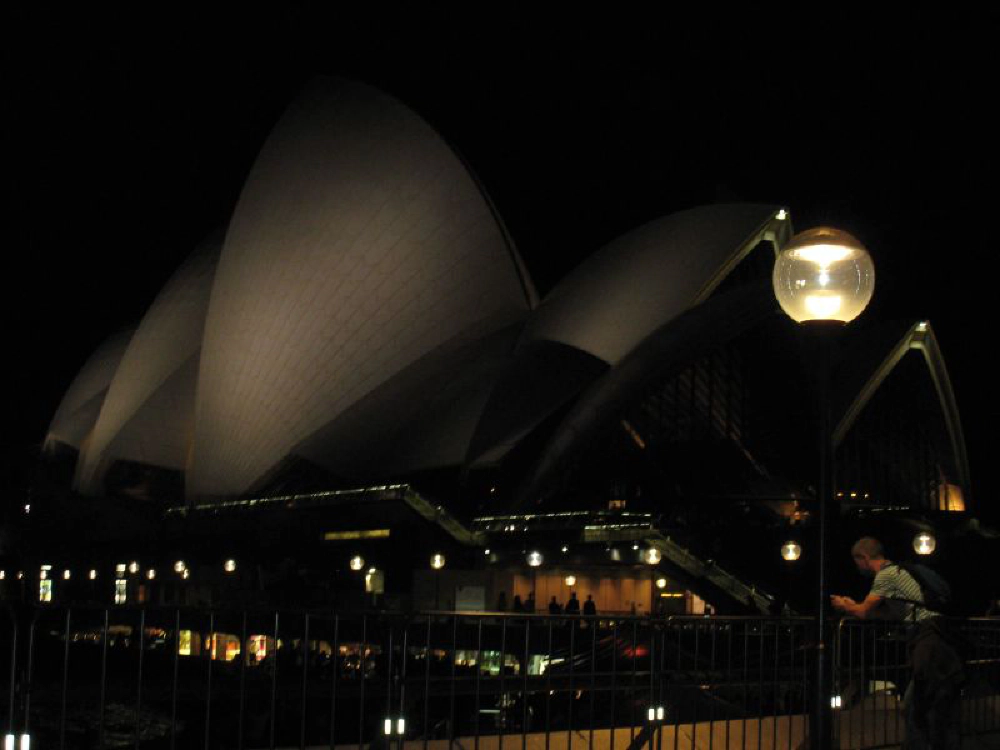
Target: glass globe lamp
791, 551
357, 562
823, 274
437, 561
924, 543
570, 580
652, 556
535, 559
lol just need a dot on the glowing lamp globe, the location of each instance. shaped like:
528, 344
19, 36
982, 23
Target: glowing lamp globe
437, 561
924, 543
535, 559
570, 580
661, 583
791, 551
357, 562
823, 274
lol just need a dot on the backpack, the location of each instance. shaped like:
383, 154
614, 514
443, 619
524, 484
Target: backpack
935, 589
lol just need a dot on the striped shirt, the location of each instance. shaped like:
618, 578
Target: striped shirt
893, 583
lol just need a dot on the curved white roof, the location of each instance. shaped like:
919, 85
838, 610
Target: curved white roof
360, 243
645, 278
78, 410
166, 343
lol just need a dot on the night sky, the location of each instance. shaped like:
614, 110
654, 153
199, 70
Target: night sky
127, 140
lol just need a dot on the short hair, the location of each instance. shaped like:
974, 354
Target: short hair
868, 547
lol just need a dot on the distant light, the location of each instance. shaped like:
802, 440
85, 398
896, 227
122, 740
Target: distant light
922, 325
535, 559
835, 701
371, 571
27, 508
8, 742
570, 580
93, 575
179, 566
133, 567
652, 714
924, 543
791, 551
615, 553
661, 583
486, 551
437, 561
781, 215
565, 548
3, 574
230, 566
357, 562
66, 575
401, 726
652, 556
120, 569
20, 574
659, 713
635, 547
388, 726
46, 567
151, 574
25, 741
43, 575
186, 574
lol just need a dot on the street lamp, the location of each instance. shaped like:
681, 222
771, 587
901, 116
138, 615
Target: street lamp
824, 278
924, 543
791, 551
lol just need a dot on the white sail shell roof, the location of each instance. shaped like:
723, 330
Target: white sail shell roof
360, 243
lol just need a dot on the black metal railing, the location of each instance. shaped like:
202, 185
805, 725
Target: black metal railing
196, 678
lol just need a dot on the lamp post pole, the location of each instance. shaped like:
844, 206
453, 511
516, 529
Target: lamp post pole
823, 277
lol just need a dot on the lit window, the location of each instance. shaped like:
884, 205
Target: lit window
45, 590
120, 569
121, 590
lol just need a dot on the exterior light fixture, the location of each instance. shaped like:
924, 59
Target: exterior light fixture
133, 567
357, 562
823, 274
635, 547
43, 575
93, 575
836, 701
924, 543
781, 215
565, 549
230, 566
656, 713
486, 551
179, 566
570, 580
20, 575
120, 569
151, 574
66, 575
399, 725
186, 574
535, 559
791, 551
3, 574
437, 561
652, 556
661, 582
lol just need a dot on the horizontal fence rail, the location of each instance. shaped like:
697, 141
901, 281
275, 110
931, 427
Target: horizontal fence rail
197, 678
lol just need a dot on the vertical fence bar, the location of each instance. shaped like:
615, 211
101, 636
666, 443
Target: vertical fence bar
652, 694
334, 678
632, 692
274, 683
714, 631
427, 682
208, 679
729, 673
774, 691
614, 682
388, 682
104, 678
694, 673
524, 688
451, 696
548, 689
138, 682
363, 661
65, 682
501, 704
305, 680
402, 679
13, 671
479, 669
746, 680
572, 687
29, 675
173, 689
244, 656
759, 630
593, 678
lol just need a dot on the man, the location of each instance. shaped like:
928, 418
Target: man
931, 703
589, 606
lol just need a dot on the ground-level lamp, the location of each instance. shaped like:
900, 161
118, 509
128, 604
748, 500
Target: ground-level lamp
924, 543
824, 278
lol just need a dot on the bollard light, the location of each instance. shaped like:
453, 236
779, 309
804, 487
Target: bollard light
823, 274
924, 543
791, 551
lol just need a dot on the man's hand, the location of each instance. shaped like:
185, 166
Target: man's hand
842, 603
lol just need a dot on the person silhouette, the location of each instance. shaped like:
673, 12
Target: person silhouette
573, 605
554, 607
589, 607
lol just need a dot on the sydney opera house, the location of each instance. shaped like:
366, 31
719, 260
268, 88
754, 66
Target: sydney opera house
357, 371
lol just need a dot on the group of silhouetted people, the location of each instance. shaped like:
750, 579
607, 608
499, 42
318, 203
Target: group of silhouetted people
555, 608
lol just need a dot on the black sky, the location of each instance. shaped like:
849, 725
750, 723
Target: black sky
127, 140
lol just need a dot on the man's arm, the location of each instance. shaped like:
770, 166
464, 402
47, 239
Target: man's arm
861, 610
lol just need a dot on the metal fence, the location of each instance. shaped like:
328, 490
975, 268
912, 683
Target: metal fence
191, 678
